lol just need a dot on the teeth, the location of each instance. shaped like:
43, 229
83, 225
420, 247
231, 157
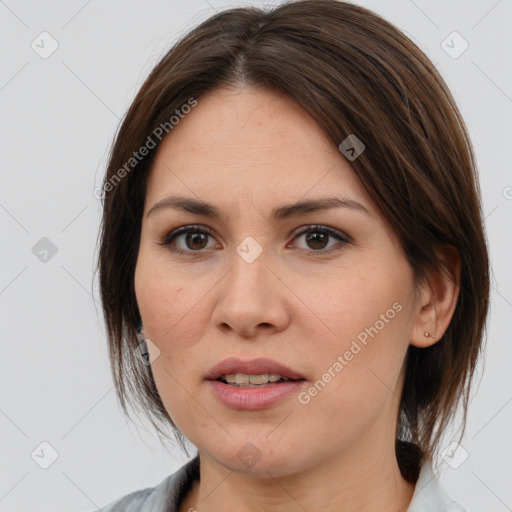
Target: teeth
242, 379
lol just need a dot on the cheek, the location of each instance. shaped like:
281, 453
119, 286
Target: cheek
360, 303
162, 301
360, 343
166, 297
179, 397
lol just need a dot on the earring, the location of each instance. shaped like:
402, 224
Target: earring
428, 335
142, 350
140, 331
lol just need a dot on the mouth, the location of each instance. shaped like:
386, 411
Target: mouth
253, 385
242, 380
252, 373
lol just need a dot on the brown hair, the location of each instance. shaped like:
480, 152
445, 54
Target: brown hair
354, 73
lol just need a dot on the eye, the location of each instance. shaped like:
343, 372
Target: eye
317, 239
193, 239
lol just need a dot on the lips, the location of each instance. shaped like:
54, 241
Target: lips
258, 366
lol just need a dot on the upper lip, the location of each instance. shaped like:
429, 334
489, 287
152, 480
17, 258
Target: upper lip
257, 366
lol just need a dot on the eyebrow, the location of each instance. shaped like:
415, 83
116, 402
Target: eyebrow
282, 212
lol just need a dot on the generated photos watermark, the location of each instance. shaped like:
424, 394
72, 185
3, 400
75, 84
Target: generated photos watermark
304, 397
158, 133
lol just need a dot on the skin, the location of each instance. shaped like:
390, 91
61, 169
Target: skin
248, 151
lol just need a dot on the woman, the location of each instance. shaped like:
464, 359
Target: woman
293, 266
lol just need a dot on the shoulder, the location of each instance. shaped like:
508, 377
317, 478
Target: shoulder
129, 503
164, 497
430, 495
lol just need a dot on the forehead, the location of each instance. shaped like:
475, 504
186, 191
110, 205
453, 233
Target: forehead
255, 145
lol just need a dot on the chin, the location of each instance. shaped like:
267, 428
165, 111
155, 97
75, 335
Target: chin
261, 459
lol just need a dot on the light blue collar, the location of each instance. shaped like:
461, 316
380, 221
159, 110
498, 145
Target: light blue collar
429, 495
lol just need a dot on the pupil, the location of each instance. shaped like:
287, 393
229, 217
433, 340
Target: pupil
316, 237
196, 237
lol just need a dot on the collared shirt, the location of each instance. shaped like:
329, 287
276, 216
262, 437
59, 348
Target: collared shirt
428, 495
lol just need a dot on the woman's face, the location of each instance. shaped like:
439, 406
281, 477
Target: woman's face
327, 293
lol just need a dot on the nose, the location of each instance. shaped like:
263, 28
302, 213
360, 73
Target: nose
251, 299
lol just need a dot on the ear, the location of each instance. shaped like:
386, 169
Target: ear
437, 299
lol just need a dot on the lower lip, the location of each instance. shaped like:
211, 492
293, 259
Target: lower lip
254, 398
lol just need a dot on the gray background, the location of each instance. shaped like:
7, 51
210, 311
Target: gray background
58, 116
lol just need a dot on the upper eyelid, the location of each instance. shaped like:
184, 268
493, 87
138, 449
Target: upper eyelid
319, 227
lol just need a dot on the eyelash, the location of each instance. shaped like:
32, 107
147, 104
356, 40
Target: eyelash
169, 238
